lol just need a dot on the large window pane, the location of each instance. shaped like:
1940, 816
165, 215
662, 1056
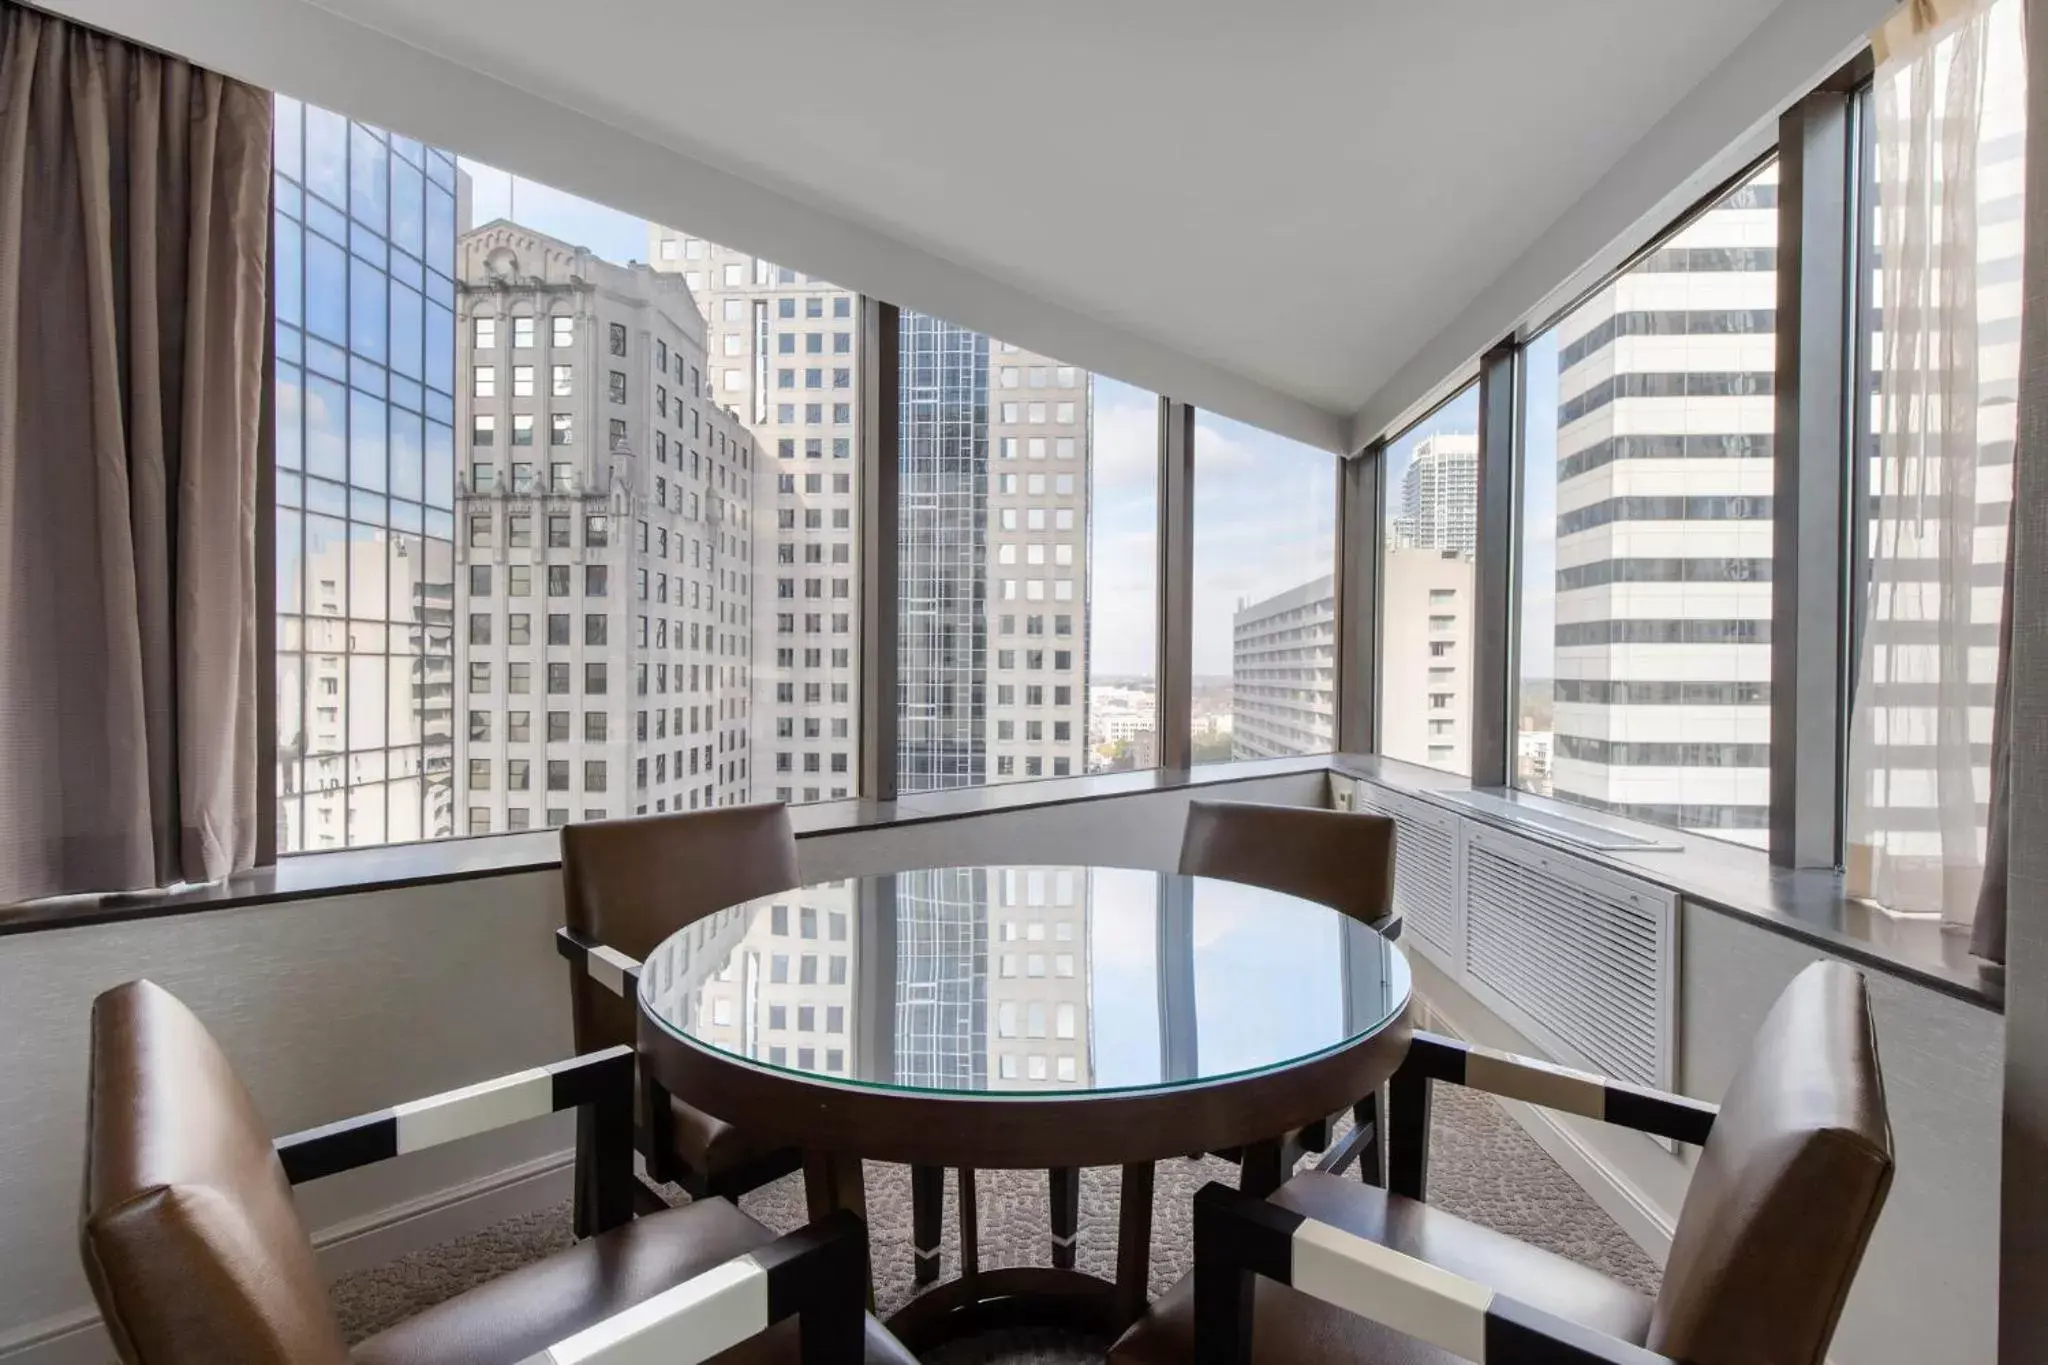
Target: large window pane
1265, 623
1432, 499
1941, 331
366, 674
996, 663
1645, 570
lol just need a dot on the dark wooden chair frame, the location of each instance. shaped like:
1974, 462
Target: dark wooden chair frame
1239, 1237
817, 1274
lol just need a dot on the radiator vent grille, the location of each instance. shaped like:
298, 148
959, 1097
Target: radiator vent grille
1425, 867
1582, 955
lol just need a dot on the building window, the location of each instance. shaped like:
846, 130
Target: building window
564, 331
562, 382
561, 429
522, 334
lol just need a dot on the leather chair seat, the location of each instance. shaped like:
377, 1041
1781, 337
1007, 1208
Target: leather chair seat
517, 1315
1290, 1328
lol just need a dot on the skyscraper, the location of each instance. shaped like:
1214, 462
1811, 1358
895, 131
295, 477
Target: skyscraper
606, 587
782, 351
1439, 495
993, 541
365, 295
1663, 514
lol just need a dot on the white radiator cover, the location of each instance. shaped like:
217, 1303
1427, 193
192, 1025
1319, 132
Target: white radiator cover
1582, 960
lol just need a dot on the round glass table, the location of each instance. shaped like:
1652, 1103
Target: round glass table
1048, 1017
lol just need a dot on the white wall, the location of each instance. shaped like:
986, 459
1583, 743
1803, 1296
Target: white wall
338, 1006
1927, 1290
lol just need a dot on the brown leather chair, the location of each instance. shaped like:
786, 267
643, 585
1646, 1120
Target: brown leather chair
1793, 1171
196, 1254
1342, 859
629, 884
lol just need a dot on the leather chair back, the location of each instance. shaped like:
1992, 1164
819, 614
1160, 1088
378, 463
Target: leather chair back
1341, 859
631, 883
1787, 1189
188, 1230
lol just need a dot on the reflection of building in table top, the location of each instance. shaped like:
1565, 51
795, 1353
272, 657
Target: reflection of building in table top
1038, 978
781, 990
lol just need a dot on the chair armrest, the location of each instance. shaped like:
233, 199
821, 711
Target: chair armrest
597, 1079
1238, 1237
608, 967
816, 1274
1656, 1112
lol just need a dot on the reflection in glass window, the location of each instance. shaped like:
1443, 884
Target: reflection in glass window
1431, 494
366, 651
1265, 622
1645, 574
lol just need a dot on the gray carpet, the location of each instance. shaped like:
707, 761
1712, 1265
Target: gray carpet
1482, 1167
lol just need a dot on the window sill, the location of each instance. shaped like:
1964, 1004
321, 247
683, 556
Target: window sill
361, 871
1808, 905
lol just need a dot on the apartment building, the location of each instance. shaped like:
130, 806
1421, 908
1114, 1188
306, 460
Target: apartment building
1664, 504
1426, 634
365, 384
605, 575
1284, 673
1438, 502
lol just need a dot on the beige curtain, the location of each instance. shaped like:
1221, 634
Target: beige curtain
133, 278
1920, 738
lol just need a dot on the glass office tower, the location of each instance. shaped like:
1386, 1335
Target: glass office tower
365, 297
942, 591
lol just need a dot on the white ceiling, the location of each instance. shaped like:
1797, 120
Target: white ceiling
1277, 204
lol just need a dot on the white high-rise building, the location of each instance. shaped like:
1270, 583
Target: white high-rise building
1425, 712
1439, 496
1283, 673
604, 543
1664, 501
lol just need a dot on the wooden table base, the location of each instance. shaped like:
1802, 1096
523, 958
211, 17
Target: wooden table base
1030, 1296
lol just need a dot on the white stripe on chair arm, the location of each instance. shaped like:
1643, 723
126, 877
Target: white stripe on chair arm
1405, 1294
692, 1322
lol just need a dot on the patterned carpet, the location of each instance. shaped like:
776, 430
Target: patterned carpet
1482, 1167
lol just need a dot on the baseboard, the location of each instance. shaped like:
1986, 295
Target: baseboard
375, 1238
384, 1235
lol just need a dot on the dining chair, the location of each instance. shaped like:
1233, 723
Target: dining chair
1342, 859
1793, 1169
626, 886
1339, 858
196, 1254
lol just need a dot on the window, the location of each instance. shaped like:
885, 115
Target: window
1431, 497
522, 334
1265, 545
950, 711
522, 429
561, 429
564, 331
562, 384
1604, 626
486, 381
367, 747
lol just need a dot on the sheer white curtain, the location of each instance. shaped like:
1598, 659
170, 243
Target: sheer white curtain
1940, 480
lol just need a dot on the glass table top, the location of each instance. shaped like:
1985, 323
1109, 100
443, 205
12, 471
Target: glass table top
1024, 979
